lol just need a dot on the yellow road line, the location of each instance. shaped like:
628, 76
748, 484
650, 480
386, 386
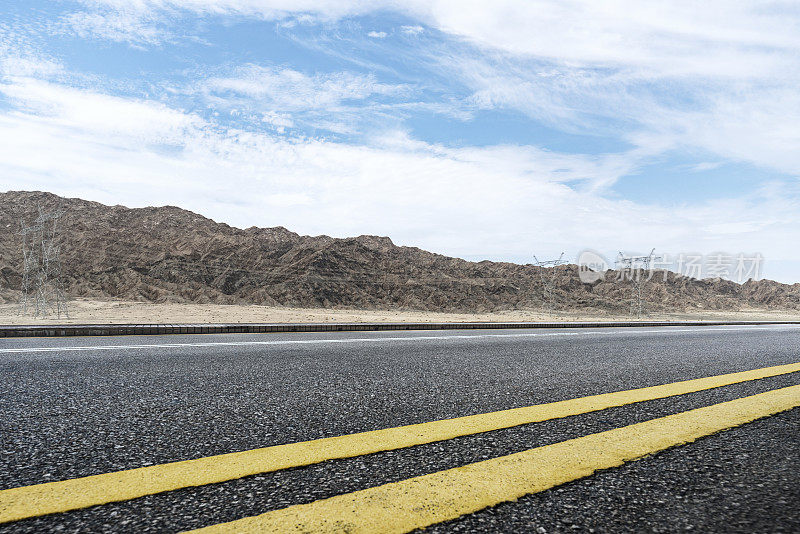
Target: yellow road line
61, 496
422, 501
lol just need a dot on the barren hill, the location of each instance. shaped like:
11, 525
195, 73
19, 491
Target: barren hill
168, 254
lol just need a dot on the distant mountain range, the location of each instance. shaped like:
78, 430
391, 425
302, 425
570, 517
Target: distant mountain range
168, 254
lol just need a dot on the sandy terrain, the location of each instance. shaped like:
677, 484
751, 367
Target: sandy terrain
115, 312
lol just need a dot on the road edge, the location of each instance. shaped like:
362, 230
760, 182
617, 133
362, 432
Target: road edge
7, 331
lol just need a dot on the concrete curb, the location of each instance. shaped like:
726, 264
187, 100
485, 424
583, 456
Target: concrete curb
263, 328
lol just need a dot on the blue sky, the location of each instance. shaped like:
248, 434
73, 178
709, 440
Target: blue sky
478, 129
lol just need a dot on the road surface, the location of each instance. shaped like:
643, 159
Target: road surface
75, 407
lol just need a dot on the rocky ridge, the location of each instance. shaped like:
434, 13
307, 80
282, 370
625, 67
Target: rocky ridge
167, 254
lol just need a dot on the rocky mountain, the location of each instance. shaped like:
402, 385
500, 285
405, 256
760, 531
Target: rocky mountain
168, 254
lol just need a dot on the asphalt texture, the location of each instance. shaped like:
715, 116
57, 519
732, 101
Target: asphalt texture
70, 413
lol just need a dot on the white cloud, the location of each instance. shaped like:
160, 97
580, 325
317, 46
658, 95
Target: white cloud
64, 107
680, 37
748, 120
288, 89
751, 126
19, 58
280, 121
683, 36
137, 152
412, 30
705, 166
717, 75
122, 25
340, 102
377, 35
14, 64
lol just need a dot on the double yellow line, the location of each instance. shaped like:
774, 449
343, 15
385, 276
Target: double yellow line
421, 501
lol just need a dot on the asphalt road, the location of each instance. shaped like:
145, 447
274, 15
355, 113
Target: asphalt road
73, 407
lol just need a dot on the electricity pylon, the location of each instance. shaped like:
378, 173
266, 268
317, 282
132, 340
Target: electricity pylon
632, 267
42, 292
548, 296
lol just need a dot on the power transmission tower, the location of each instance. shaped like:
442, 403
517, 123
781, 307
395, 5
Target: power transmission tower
632, 267
30, 262
548, 296
42, 293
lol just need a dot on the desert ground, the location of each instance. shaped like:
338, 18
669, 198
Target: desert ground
83, 311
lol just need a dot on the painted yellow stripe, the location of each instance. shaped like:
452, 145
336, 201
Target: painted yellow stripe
422, 501
61, 496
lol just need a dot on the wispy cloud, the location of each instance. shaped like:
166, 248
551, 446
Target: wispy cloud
329, 101
290, 89
280, 121
64, 107
412, 30
714, 37
715, 75
135, 26
118, 149
746, 119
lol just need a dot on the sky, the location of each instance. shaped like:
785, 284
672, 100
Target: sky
485, 130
